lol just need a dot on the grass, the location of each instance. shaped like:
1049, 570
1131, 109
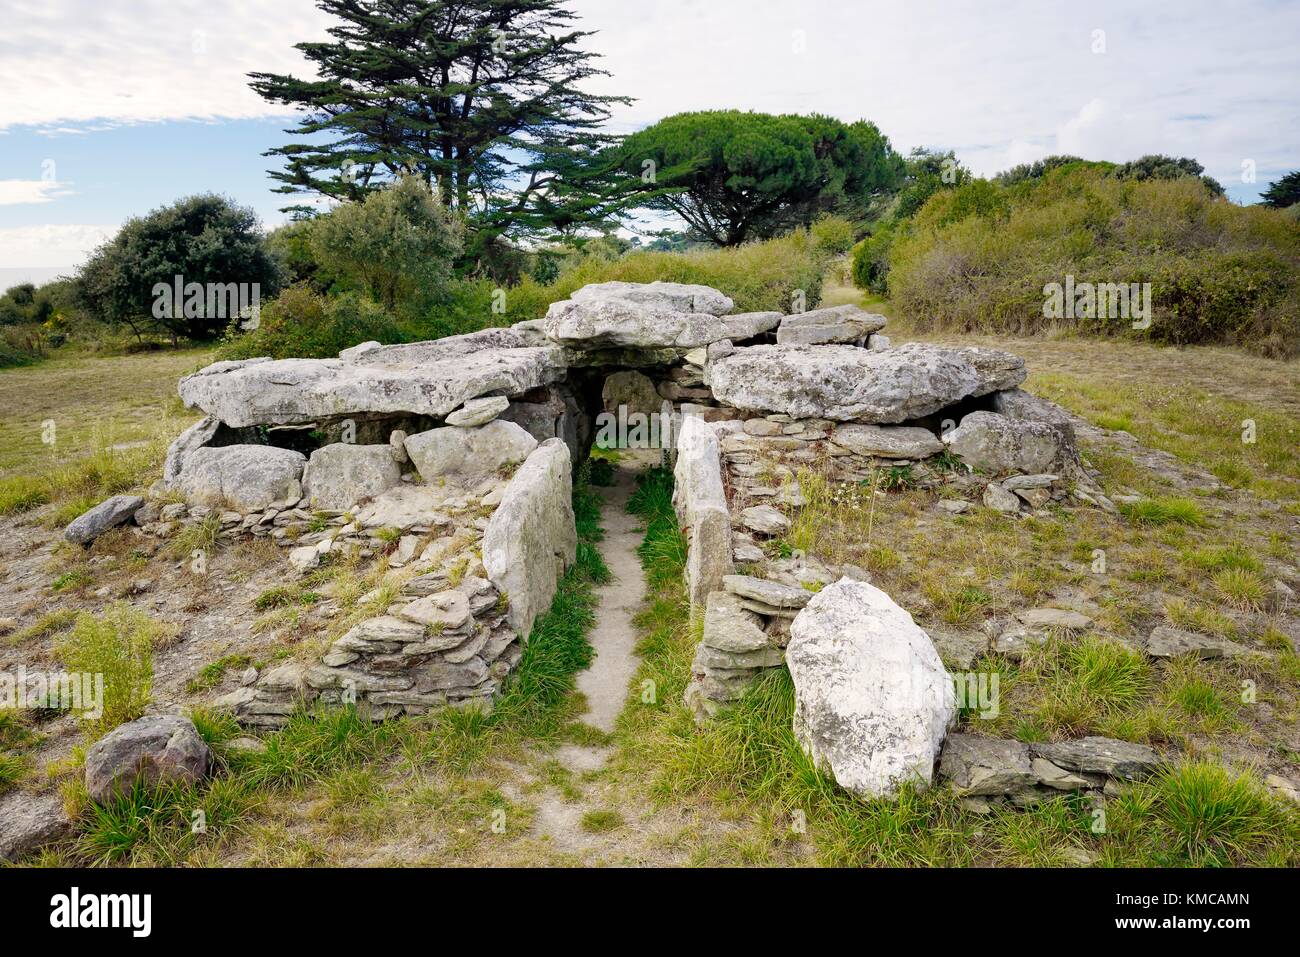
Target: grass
95, 402
1203, 815
1164, 510
212, 674
748, 760
348, 764
602, 820
1198, 423
50, 623
118, 645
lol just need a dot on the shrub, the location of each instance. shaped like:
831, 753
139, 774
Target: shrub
978, 258
204, 239
397, 245
832, 235
871, 261
119, 646
300, 322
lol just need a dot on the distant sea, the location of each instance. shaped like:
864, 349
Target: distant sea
17, 275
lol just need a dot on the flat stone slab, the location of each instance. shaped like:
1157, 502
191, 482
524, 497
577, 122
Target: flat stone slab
767, 592
976, 765
677, 296
1054, 618
834, 324
291, 391
1097, 755
1167, 642
478, 411
845, 383
887, 441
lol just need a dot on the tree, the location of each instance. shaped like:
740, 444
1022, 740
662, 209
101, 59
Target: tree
1285, 192
397, 244
1035, 170
213, 245
735, 176
926, 172
481, 99
1159, 166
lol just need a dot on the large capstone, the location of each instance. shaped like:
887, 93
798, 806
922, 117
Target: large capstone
845, 383
531, 538
675, 296
872, 699
422, 379
246, 478
606, 323
340, 475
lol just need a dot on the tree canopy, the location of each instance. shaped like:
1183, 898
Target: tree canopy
1159, 166
734, 176
1283, 193
204, 239
482, 99
397, 244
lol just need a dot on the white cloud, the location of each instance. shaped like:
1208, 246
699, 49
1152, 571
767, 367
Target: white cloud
14, 192
50, 246
70, 61
999, 85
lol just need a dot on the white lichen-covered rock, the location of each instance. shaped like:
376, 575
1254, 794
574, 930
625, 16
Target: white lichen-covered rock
455, 451
995, 443
676, 296
701, 506
247, 478
340, 475
887, 441
531, 538
834, 324
420, 379
477, 412
873, 701
619, 323
845, 383
195, 437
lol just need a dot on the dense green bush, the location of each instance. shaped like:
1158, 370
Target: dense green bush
833, 235
870, 269
397, 245
205, 239
303, 323
977, 258
306, 322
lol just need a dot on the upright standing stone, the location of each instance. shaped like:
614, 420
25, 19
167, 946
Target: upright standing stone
872, 699
531, 538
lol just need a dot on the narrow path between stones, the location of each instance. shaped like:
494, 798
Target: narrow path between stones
614, 636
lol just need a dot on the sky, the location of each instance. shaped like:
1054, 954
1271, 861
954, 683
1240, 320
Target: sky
110, 108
